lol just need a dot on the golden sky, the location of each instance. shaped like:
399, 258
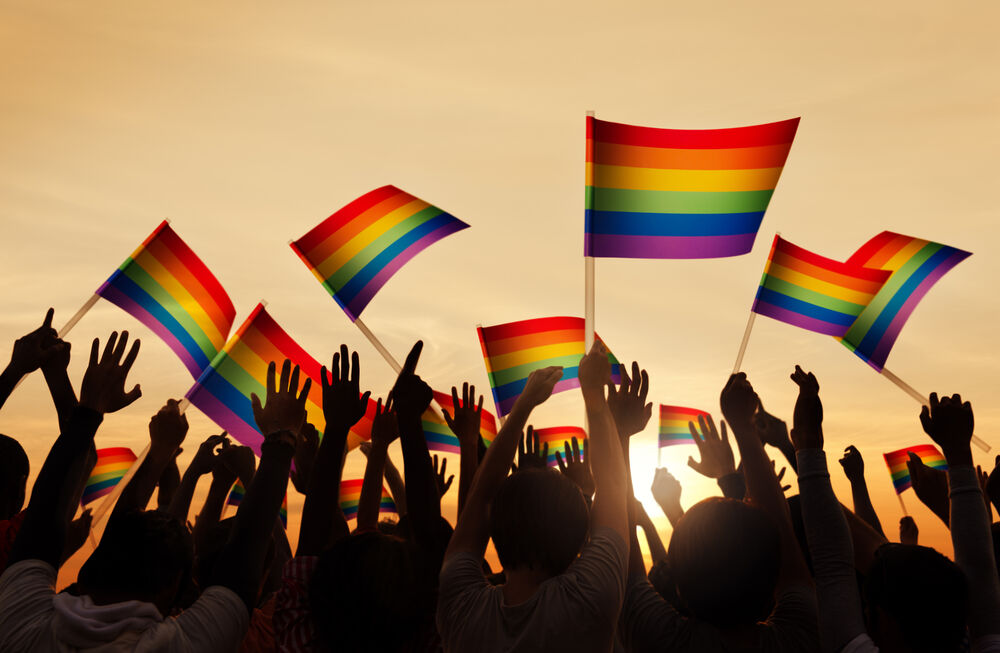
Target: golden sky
248, 124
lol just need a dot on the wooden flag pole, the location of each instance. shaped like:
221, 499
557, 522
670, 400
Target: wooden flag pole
902, 505
910, 390
743, 344
588, 294
79, 315
377, 344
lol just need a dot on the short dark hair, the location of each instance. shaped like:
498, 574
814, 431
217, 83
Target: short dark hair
922, 592
724, 557
14, 470
538, 519
141, 554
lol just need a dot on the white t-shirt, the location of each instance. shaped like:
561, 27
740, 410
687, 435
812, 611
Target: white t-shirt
34, 618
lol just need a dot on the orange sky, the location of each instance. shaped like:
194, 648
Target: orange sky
247, 125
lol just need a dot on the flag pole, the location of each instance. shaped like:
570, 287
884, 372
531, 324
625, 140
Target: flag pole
743, 345
588, 283
377, 344
910, 390
902, 505
79, 315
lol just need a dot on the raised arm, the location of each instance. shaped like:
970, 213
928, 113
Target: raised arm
949, 422
667, 492
167, 430
31, 352
233, 463
384, 431
472, 530
203, 462
657, 551
465, 424
774, 432
854, 468
397, 489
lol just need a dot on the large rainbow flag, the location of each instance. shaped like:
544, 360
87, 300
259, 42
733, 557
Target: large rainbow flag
680, 193
514, 350
223, 390
896, 461
814, 292
350, 497
557, 437
915, 265
112, 465
674, 424
441, 438
167, 288
355, 251
238, 492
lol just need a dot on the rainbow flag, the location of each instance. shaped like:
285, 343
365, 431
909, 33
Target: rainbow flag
557, 437
674, 424
167, 288
223, 390
238, 492
680, 193
350, 497
514, 350
112, 465
441, 438
896, 460
356, 250
914, 266
813, 292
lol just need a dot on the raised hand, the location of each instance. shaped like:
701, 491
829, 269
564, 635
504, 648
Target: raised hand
235, 462
594, 371
628, 402
993, 485
950, 423
540, 384
35, 349
440, 473
770, 429
931, 486
853, 464
207, 455
169, 481
103, 387
76, 534
343, 403
468, 416
739, 402
529, 455
666, 489
284, 407
411, 394
167, 429
780, 475
305, 457
716, 454
385, 429
908, 531
807, 420
577, 466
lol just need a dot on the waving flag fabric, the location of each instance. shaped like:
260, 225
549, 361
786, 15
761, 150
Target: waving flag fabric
112, 465
350, 497
680, 193
441, 438
223, 391
557, 437
896, 461
355, 251
914, 265
167, 288
514, 350
813, 292
674, 424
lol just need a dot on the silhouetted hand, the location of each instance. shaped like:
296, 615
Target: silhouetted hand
930, 485
170, 480
76, 534
993, 484
950, 423
594, 371
770, 429
439, 476
807, 420
529, 455
34, 350
666, 488
235, 462
284, 409
853, 464
577, 466
385, 429
411, 394
908, 531
468, 416
540, 384
716, 454
739, 402
628, 402
780, 475
305, 457
207, 455
167, 428
103, 387
343, 403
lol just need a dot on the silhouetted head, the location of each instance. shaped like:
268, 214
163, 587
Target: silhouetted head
916, 600
724, 557
538, 521
14, 470
145, 556
364, 595
210, 549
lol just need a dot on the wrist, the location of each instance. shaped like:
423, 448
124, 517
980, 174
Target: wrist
591, 394
956, 456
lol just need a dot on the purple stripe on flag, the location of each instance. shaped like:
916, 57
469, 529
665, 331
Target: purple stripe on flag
564, 384
624, 246
799, 320
222, 415
130, 306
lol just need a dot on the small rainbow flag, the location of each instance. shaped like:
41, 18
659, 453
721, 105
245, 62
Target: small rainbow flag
167, 288
557, 437
223, 390
356, 250
914, 265
813, 292
514, 350
680, 193
441, 438
112, 465
896, 460
674, 424
236, 495
350, 497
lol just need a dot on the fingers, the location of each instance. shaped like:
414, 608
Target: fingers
119, 350
284, 380
324, 377
335, 368
306, 387
693, 464
444, 466
345, 364
479, 413
355, 369
132, 395
269, 384
109, 347
454, 396
410, 366
559, 460
576, 449
93, 352
258, 410
725, 433
586, 457
133, 353
545, 453
47, 322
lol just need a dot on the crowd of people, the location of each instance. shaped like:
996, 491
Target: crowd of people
750, 570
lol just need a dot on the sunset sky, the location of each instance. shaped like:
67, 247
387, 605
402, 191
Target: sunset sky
248, 124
